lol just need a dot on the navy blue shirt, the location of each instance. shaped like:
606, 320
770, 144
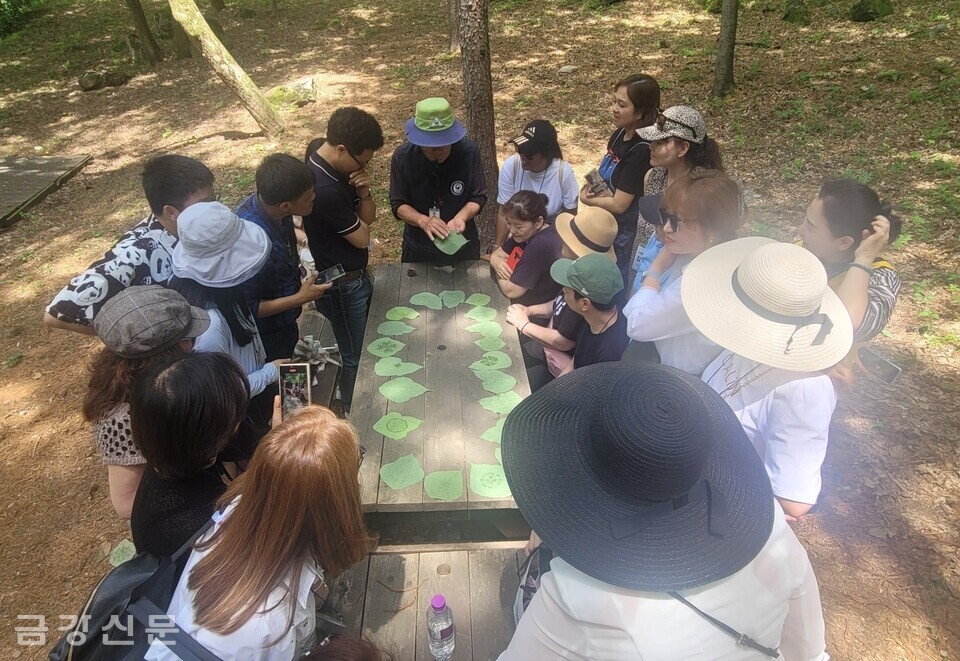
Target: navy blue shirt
280, 276
334, 216
448, 186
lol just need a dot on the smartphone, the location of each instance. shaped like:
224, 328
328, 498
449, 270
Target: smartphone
596, 183
878, 366
295, 379
330, 274
514, 257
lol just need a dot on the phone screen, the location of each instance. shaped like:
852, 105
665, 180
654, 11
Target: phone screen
294, 387
330, 274
878, 366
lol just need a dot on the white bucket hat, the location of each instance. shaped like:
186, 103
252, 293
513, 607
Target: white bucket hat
216, 247
768, 302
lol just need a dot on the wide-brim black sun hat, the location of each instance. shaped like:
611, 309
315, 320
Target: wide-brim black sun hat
639, 476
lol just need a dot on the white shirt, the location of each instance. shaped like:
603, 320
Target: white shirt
786, 416
658, 316
775, 600
557, 182
252, 640
218, 338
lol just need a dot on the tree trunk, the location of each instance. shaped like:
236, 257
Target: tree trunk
478, 98
223, 64
723, 72
217, 6
453, 23
151, 50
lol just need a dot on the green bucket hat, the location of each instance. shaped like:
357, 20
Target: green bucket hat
593, 276
433, 124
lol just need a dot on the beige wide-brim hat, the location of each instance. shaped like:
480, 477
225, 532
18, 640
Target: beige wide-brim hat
592, 230
769, 302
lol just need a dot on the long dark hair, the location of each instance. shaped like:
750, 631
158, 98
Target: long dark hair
705, 155
112, 377
850, 208
229, 301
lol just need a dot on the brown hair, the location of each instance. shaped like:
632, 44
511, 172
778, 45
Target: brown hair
526, 205
112, 377
299, 500
644, 93
709, 198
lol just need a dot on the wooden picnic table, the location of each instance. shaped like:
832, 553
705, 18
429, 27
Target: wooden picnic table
449, 438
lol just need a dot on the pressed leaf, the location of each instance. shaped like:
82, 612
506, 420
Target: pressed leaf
486, 328
385, 347
402, 473
400, 313
499, 455
452, 298
392, 366
493, 434
492, 360
123, 551
396, 426
452, 244
481, 314
496, 382
501, 404
490, 343
394, 328
427, 299
401, 390
478, 299
489, 481
444, 485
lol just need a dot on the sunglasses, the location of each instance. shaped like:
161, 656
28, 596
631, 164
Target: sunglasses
670, 219
663, 119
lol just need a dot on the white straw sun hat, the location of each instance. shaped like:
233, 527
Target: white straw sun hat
768, 302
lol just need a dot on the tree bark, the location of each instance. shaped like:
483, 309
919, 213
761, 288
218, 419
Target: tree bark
478, 98
723, 72
223, 64
151, 50
453, 23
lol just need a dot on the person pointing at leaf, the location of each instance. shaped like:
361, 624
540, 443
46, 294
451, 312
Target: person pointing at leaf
437, 187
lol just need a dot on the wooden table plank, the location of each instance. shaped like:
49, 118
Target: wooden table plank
493, 588
390, 612
447, 574
368, 404
347, 594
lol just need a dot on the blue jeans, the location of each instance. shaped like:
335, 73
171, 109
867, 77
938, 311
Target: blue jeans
346, 306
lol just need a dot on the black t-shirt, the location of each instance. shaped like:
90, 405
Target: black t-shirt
533, 269
166, 513
448, 186
334, 216
632, 160
566, 321
603, 347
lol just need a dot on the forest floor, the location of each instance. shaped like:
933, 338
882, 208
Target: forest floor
875, 101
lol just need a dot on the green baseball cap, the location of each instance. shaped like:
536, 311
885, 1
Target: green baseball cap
433, 124
593, 276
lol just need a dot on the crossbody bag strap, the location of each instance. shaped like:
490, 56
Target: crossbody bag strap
742, 638
182, 644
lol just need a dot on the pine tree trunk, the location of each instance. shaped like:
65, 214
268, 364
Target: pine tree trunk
723, 72
151, 50
223, 64
478, 99
453, 24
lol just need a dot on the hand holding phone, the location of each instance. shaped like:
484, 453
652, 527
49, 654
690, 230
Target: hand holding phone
330, 274
295, 380
596, 185
878, 366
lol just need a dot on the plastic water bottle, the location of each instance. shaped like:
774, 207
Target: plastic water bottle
440, 629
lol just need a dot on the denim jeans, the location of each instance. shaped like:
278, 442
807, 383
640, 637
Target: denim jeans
345, 306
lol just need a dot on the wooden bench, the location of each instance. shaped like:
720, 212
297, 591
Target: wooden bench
315, 324
386, 597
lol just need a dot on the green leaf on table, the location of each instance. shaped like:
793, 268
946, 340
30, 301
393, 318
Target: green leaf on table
452, 244
452, 298
499, 455
478, 299
402, 473
396, 426
385, 347
494, 433
427, 299
444, 485
394, 328
496, 382
489, 481
501, 404
481, 314
490, 343
486, 328
401, 390
392, 366
123, 551
492, 360
400, 313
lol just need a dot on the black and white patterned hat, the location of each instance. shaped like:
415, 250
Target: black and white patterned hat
681, 122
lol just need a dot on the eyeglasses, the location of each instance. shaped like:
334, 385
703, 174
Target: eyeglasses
663, 119
356, 160
671, 219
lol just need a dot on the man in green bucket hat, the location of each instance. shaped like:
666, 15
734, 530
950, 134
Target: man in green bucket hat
437, 187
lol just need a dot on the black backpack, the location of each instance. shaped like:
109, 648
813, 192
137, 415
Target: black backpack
130, 599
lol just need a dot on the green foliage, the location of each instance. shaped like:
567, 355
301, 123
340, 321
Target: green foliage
13, 13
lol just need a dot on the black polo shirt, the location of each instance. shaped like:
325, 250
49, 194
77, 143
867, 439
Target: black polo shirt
334, 216
421, 183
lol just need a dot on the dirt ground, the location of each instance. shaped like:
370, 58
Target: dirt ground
874, 101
